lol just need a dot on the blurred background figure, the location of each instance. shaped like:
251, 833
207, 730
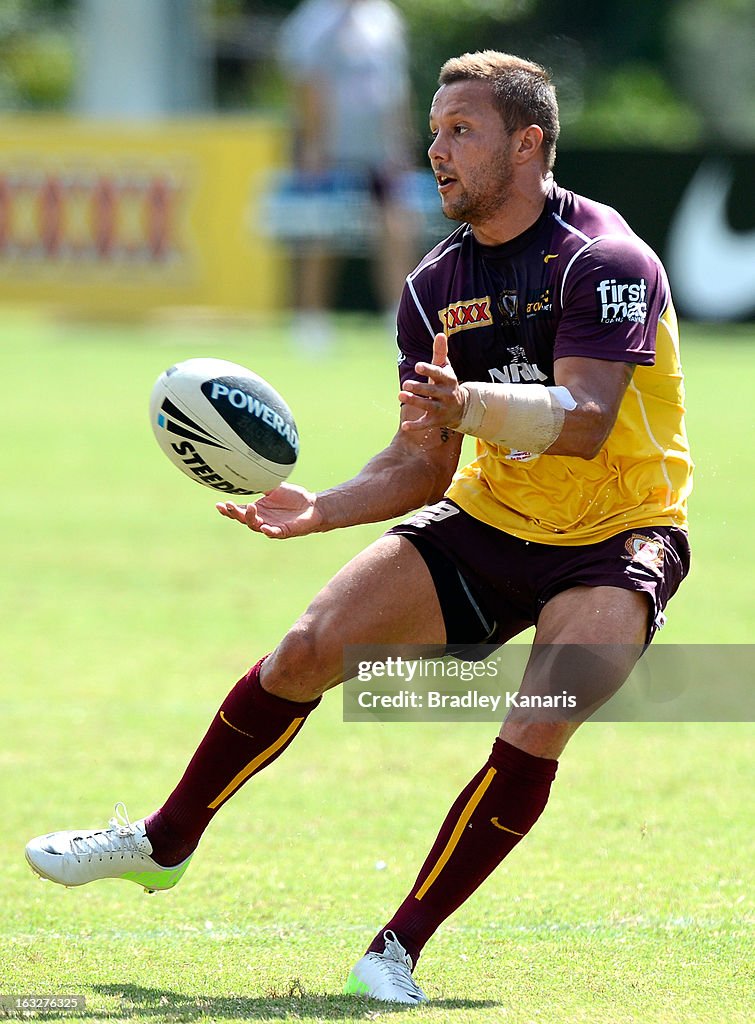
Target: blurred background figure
160, 177
347, 63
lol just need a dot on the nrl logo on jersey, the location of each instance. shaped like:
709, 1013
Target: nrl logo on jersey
621, 299
462, 316
518, 370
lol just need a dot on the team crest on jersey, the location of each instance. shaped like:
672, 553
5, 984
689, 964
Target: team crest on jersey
621, 299
462, 316
508, 307
646, 551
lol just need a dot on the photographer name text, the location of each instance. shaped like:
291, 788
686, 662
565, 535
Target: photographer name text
404, 671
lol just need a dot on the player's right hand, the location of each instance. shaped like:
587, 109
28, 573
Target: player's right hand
288, 511
439, 399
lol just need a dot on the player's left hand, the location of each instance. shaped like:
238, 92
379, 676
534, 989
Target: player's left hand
440, 399
287, 511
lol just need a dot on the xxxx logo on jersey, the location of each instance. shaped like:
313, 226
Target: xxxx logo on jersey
462, 316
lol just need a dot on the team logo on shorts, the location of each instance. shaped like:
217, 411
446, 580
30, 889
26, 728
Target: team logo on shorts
646, 551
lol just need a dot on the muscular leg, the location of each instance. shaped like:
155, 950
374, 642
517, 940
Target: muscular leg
504, 800
570, 625
385, 595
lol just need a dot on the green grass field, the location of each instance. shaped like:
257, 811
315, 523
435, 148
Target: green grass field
129, 608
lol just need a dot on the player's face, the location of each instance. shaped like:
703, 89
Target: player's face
470, 152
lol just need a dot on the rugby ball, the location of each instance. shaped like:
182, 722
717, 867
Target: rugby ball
224, 426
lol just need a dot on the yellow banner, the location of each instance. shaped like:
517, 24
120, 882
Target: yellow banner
123, 219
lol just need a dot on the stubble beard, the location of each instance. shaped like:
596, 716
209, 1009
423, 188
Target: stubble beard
484, 199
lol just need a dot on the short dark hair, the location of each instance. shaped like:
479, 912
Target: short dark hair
523, 92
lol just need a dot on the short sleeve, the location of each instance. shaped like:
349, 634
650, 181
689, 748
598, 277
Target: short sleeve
415, 337
613, 293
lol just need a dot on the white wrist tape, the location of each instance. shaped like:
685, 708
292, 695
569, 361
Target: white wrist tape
528, 417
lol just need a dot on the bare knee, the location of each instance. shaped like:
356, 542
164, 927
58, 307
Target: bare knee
304, 664
541, 739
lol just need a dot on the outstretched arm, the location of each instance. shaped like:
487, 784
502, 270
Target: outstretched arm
415, 469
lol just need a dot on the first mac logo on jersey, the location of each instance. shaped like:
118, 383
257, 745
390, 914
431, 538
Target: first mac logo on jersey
622, 298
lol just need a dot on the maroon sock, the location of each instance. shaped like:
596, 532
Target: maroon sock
251, 729
489, 817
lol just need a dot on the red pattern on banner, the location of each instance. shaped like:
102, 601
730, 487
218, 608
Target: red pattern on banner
5, 213
104, 208
50, 216
65, 217
159, 226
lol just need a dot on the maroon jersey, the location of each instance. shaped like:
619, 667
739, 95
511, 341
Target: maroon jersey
578, 282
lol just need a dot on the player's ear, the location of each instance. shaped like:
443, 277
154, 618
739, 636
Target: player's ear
528, 143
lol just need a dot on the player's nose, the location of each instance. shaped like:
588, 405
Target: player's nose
436, 150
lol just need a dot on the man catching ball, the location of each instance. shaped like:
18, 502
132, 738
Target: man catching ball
544, 327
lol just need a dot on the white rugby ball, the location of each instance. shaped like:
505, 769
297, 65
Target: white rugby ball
224, 426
